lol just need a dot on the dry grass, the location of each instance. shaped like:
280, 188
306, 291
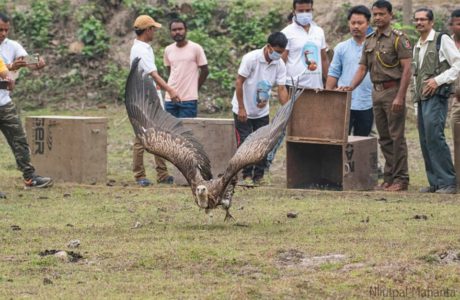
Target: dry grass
392, 241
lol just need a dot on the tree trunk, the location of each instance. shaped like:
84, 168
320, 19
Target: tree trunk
407, 12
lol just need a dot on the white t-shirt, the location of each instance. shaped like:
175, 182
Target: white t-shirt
301, 43
9, 51
145, 52
260, 78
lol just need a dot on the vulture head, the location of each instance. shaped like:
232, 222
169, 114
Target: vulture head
201, 194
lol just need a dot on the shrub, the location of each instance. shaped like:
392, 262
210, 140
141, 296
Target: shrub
92, 33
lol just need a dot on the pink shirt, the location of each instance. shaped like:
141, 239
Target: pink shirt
184, 63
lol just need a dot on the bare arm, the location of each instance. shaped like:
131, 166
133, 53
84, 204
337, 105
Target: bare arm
331, 83
358, 78
399, 101
283, 94
204, 72
324, 63
242, 115
164, 86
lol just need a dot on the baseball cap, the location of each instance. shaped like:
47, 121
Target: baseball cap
144, 22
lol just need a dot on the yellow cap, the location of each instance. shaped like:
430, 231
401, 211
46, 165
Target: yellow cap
144, 22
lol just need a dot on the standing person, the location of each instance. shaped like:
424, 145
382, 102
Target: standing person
436, 66
188, 69
145, 27
259, 71
346, 59
13, 55
387, 55
305, 55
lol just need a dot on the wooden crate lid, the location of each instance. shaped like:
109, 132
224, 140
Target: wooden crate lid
320, 117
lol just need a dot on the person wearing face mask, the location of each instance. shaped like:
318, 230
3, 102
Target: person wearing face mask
259, 71
188, 70
305, 55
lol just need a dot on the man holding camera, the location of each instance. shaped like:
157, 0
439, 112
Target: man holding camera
15, 57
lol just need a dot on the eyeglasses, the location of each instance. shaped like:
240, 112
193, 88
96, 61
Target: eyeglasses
415, 20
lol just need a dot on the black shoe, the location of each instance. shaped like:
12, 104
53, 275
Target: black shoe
38, 182
167, 180
450, 189
428, 189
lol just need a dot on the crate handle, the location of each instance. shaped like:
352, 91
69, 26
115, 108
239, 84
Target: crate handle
96, 131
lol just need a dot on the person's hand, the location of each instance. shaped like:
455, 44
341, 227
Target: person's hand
41, 64
242, 115
17, 64
174, 96
11, 84
344, 89
397, 105
430, 87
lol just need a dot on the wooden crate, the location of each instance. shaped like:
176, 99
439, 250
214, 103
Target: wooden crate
69, 148
320, 116
320, 154
218, 139
348, 166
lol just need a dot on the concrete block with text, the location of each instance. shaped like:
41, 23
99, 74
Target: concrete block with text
69, 148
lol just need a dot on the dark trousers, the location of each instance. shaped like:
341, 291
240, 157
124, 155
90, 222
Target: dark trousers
185, 109
242, 131
11, 126
361, 122
431, 120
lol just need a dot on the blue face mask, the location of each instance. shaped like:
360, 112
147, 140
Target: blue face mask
304, 18
274, 55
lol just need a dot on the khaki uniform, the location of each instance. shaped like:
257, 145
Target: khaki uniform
381, 54
138, 162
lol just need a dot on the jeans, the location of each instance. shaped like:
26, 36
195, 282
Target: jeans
185, 109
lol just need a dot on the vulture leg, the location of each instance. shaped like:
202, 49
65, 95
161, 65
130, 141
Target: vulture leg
228, 216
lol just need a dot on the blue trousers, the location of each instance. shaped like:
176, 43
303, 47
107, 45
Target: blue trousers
436, 154
185, 109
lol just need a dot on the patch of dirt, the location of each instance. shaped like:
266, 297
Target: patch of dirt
296, 258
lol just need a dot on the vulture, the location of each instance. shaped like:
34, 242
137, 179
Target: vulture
165, 136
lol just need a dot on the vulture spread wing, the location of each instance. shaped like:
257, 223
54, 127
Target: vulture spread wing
257, 145
161, 133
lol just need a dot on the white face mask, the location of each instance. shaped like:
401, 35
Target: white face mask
304, 18
274, 55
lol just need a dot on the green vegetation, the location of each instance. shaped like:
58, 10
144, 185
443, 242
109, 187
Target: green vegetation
92, 33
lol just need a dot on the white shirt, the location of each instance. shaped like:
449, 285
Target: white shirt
448, 51
260, 78
299, 42
145, 52
9, 51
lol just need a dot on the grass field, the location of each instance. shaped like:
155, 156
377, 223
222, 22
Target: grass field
139, 243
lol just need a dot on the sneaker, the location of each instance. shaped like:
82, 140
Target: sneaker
428, 189
167, 180
38, 182
246, 182
143, 182
450, 189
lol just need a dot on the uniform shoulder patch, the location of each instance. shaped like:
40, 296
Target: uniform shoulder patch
407, 44
398, 32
